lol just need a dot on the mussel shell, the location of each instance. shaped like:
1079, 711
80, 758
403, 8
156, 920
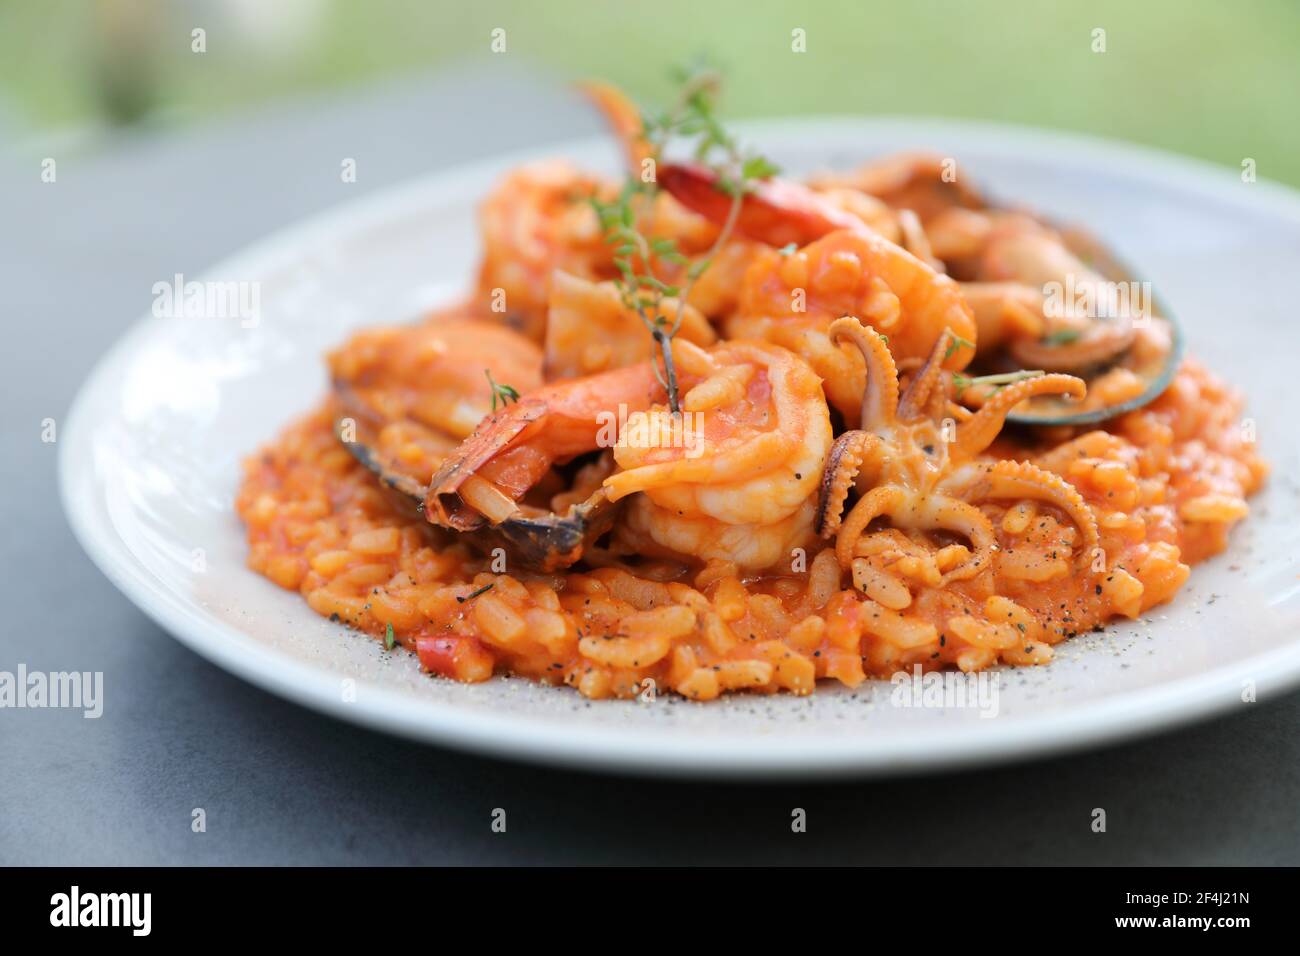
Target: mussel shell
548, 542
1110, 266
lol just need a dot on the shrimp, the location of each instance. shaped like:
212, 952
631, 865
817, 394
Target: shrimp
535, 221
777, 211
512, 449
875, 214
589, 329
735, 476
960, 236
791, 298
859, 273
743, 486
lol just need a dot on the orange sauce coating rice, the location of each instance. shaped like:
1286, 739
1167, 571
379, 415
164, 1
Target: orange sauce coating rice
1166, 484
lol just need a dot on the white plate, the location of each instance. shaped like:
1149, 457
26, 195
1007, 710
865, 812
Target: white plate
150, 463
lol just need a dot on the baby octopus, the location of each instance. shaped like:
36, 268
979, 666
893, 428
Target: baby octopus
920, 468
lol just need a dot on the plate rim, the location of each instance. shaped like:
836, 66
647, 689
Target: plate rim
634, 750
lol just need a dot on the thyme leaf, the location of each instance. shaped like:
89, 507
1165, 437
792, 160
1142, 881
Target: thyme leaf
692, 121
957, 343
1001, 380
502, 394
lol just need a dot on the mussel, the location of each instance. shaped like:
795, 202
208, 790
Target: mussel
533, 539
1115, 338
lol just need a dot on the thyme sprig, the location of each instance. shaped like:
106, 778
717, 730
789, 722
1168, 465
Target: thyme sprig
691, 119
957, 343
1001, 380
502, 394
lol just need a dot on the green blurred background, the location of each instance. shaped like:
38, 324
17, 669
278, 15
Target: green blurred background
1219, 79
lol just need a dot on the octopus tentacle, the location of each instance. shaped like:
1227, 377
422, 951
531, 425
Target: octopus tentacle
927, 513
842, 466
958, 413
918, 390
880, 397
885, 499
951, 514
975, 435
1022, 479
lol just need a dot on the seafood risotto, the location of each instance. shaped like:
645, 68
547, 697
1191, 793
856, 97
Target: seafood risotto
710, 429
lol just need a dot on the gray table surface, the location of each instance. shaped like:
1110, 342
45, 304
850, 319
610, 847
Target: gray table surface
280, 784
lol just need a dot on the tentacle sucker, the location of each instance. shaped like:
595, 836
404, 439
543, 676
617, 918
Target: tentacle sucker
914, 399
880, 397
950, 514
975, 435
842, 466
926, 513
872, 505
1022, 479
